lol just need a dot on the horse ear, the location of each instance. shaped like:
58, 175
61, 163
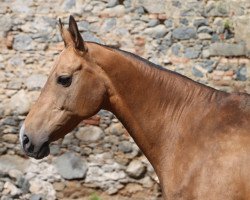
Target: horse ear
65, 34
77, 38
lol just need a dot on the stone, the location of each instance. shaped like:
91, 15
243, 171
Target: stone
241, 73
158, 31
54, 150
117, 11
9, 162
21, 6
112, 3
125, 147
136, 169
11, 189
35, 81
71, 166
158, 6
5, 24
10, 138
116, 129
11, 121
23, 184
153, 23
16, 61
1, 186
184, 21
42, 188
204, 36
20, 103
88, 36
132, 188
217, 9
140, 10
109, 24
200, 22
68, 4
205, 29
184, 33
176, 49
15, 84
208, 65
192, 52
23, 42
147, 182
227, 49
241, 32
37, 197
196, 71
89, 134
168, 23
83, 26
58, 186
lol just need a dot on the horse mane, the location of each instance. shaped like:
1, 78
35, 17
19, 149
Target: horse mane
147, 63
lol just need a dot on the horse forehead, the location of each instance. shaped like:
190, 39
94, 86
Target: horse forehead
69, 58
68, 55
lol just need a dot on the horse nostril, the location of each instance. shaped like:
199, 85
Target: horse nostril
27, 145
30, 148
25, 139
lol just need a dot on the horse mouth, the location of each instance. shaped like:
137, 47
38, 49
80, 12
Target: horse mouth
43, 152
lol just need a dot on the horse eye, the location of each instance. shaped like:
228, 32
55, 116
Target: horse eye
64, 80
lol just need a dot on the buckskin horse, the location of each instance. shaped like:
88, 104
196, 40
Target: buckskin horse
197, 138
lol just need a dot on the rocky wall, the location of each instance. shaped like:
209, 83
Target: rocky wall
208, 41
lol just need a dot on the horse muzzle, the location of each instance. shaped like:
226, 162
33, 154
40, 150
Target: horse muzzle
37, 151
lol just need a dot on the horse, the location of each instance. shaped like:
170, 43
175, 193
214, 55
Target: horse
197, 138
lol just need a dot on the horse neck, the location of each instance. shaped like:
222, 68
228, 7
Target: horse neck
151, 103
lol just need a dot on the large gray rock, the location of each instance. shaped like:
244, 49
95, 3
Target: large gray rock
157, 7
5, 24
23, 42
135, 169
10, 162
89, 133
117, 11
226, 49
112, 3
200, 22
242, 30
184, 33
21, 6
88, 36
192, 53
68, 4
35, 81
158, 31
20, 103
217, 9
16, 61
71, 166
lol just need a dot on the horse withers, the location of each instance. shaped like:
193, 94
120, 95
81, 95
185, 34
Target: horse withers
197, 138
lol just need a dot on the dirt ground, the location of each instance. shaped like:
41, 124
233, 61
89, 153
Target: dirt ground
131, 191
